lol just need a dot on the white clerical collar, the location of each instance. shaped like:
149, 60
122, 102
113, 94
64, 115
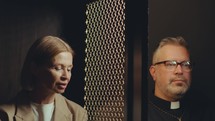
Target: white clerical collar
174, 105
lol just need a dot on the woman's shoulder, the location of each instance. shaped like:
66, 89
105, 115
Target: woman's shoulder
7, 111
11, 105
8, 107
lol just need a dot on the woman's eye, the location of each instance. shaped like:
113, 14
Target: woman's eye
58, 68
69, 69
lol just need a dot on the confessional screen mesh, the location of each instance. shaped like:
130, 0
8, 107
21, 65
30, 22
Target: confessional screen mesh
105, 97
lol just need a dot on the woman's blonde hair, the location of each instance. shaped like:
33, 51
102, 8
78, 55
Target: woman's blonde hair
40, 53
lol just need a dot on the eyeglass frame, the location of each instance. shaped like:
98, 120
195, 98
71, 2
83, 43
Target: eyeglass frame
182, 64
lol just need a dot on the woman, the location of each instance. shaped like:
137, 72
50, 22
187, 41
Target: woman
45, 75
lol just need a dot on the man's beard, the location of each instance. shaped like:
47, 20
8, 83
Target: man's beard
177, 91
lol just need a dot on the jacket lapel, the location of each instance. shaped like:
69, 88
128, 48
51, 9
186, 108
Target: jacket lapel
24, 113
61, 112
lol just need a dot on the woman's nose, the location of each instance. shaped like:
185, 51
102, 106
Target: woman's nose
66, 74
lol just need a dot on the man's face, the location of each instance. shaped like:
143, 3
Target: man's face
55, 77
171, 85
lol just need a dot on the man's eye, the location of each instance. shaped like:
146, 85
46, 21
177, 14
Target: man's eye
187, 65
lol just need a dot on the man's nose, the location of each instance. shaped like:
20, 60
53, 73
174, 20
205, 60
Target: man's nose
178, 69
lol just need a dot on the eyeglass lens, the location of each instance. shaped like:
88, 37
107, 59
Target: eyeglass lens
171, 65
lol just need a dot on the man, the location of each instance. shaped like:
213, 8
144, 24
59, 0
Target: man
171, 71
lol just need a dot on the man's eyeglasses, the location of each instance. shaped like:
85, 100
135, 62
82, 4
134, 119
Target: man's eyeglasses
172, 65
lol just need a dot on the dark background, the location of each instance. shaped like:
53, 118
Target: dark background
195, 21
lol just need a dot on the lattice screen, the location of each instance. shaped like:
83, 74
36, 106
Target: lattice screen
105, 97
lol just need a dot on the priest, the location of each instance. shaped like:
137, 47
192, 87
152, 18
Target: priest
171, 71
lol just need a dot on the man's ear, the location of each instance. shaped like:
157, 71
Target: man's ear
152, 71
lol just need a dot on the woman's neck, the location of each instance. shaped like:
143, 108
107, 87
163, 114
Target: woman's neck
41, 97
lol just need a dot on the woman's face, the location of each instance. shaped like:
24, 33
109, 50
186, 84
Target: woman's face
55, 77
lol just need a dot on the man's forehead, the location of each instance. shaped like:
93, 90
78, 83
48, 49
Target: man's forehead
169, 50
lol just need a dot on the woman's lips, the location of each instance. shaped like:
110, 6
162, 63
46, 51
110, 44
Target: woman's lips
62, 86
